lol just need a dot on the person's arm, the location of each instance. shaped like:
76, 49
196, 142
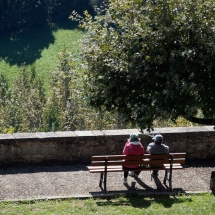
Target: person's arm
148, 149
125, 150
167, 148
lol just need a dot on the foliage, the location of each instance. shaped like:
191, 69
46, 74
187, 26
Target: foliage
152, 59
67, 95
130, 204
97, 3
25, 106
51, 119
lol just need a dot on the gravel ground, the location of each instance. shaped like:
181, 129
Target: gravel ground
64, 180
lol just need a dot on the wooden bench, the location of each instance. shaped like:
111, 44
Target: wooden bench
114, 163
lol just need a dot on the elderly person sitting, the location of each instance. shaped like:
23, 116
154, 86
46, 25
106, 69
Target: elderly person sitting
157, 147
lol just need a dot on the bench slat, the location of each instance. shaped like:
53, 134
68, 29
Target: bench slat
178, 155
112, 157
120, 169
137, 157
120, 166
118, 157
136, 162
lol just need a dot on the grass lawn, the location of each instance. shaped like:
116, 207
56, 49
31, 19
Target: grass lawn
179, 205
39, 46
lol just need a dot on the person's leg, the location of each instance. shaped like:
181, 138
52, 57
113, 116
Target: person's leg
155, 172
124, 179
131, 173
136, 173
126, 174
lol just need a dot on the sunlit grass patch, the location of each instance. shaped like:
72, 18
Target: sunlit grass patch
131, 204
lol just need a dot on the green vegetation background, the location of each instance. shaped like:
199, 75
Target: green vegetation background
39, 46
41, 88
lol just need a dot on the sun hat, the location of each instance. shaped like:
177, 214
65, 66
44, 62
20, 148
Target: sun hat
134, 136
158, 138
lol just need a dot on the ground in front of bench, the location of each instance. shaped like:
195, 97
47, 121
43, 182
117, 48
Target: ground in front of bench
75, 180
142, 183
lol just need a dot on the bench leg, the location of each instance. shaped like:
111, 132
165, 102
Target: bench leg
165, 177
101, 179
170, 180
105, 183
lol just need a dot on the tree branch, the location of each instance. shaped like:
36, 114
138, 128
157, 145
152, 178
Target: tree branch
200, 120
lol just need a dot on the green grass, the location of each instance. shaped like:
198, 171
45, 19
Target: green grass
39, 46
133, 205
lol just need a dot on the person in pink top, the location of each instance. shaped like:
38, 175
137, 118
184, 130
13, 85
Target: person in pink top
132, 147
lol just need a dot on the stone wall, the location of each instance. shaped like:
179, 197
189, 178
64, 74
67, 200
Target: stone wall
79, 146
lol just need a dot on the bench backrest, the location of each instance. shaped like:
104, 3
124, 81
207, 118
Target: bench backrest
147, 159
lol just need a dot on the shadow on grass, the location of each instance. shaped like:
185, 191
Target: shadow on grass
138, 201
26, 46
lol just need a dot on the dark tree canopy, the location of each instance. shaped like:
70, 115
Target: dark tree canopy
24, 14
152, 59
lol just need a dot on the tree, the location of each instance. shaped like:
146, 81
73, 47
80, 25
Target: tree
67, 108
97, 3
152, 59
22, 104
